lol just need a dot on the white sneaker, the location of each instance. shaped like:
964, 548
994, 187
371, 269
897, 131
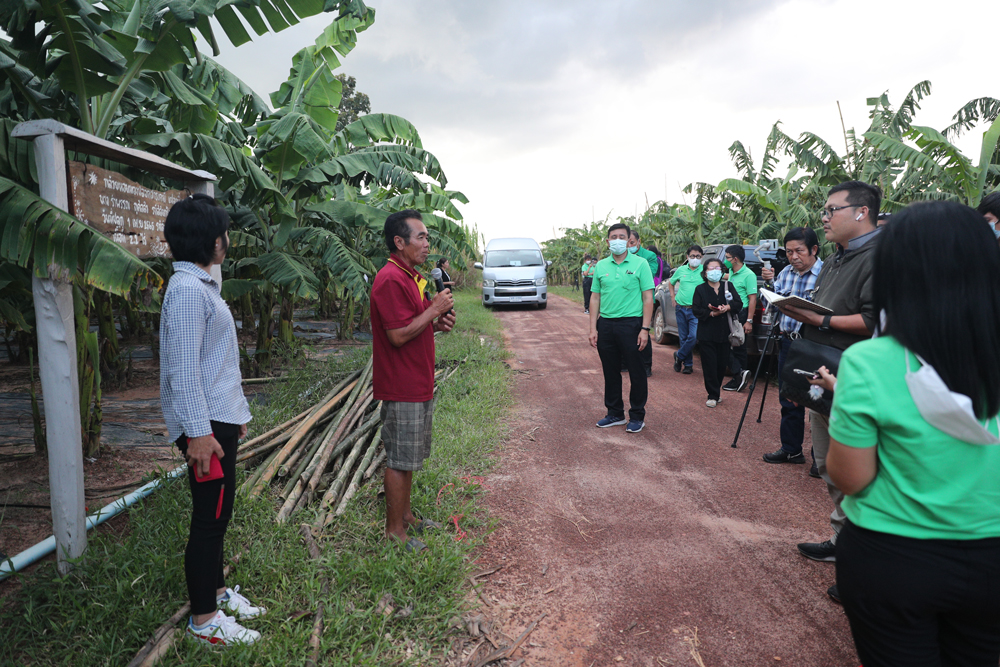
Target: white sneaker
222, 631
239, 605
711, 403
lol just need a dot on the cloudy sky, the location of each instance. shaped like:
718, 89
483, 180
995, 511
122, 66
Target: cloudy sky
547, 113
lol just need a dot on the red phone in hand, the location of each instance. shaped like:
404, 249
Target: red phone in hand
214, 470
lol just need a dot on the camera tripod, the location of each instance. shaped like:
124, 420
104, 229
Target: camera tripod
771, 335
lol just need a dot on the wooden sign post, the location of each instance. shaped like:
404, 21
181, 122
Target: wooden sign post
53, 296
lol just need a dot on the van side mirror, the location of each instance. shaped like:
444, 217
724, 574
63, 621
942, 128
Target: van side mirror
548, 263
478, 265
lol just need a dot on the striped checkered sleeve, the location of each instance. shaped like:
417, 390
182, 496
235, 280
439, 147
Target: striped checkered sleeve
183, 322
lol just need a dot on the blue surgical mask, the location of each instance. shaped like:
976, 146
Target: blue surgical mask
618, 246
633, 250
714, 275
995, 229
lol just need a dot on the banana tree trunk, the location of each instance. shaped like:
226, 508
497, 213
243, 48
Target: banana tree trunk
287, 322
89, 369
246, 314
112, 365
346, 330
262, 357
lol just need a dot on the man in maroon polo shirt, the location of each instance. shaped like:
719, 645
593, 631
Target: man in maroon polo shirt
403, 324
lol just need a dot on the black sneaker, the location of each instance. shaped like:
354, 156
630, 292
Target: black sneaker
688, 370
781, 456
814, 471
649, 372
677, 363
825, 552
732, 385
744, 378
834, 594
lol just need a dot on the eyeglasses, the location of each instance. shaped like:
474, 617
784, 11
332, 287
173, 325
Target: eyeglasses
694, 256
830, 210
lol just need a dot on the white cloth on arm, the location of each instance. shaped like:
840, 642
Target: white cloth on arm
199, 356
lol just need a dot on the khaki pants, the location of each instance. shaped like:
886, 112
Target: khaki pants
820, 427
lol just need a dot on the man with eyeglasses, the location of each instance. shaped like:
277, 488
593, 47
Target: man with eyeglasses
796, 279
850, 219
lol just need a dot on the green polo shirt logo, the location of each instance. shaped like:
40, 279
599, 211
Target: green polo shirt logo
621, 285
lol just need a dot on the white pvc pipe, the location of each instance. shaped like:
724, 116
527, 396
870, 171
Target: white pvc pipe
48, 545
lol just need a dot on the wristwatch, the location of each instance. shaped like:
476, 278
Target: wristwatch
826, 323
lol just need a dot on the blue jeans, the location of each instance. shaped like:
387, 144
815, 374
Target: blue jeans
793, 417
687, 331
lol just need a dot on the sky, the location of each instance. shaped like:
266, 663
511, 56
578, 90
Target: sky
551, 113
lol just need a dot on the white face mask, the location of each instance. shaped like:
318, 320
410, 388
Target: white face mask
946, 410
694, 262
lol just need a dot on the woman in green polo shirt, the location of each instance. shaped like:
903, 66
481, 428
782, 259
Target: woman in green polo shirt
913, 444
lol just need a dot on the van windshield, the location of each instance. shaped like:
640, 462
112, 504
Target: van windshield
498, 258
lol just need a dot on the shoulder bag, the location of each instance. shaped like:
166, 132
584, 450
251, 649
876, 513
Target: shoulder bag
805, 355
736, 333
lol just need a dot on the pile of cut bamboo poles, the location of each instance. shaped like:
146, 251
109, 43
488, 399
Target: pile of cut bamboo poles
320, 457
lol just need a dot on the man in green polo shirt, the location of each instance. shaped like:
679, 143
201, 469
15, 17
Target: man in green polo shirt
635, 248
688, 277
622, 303
745, 282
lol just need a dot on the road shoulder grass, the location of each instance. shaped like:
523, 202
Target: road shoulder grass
125, 587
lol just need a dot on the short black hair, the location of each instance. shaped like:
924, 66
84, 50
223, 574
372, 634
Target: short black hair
804, 234
704, 267
737, 251
693, 247
959, 336
619, 225
587, 256
396, 225
634, 233
990, 204
860, 193
653, 249
192, 226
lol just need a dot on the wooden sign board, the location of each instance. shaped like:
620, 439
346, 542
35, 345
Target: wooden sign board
130, 214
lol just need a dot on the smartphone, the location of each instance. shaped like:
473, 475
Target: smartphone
812, 374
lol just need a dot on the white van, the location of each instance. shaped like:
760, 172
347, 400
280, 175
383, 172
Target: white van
513, 272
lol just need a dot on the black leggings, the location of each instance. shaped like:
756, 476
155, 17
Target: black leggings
920, 603
209, 519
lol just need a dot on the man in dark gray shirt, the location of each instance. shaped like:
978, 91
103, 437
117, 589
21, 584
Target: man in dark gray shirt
850, 219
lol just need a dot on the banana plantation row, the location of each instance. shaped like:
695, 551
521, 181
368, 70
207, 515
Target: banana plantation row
307, 198
909, 162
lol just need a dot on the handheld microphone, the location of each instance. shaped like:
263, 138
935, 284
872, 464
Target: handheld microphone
439, 284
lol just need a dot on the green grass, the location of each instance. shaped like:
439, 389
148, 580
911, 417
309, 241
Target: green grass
125, 587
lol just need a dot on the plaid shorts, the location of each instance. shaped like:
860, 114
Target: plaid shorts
406, 433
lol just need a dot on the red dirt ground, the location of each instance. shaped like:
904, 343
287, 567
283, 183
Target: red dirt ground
665, 547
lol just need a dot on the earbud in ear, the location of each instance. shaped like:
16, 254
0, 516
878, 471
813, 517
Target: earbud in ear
859, 217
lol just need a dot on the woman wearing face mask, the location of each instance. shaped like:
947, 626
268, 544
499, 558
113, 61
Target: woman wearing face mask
990, 208
913, 444
711, 305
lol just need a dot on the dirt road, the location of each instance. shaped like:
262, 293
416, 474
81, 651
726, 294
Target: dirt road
665, 547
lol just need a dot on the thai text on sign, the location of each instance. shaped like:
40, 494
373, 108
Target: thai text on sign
130, 214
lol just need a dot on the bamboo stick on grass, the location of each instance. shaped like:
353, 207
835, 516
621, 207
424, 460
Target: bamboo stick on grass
356, 482
375, 464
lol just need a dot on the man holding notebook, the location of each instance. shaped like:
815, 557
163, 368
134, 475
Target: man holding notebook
796, 279
845, 287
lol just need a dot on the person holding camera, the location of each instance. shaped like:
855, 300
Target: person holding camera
914, 431
796, 279
403, 324
201, 395
844, 285
711, 304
